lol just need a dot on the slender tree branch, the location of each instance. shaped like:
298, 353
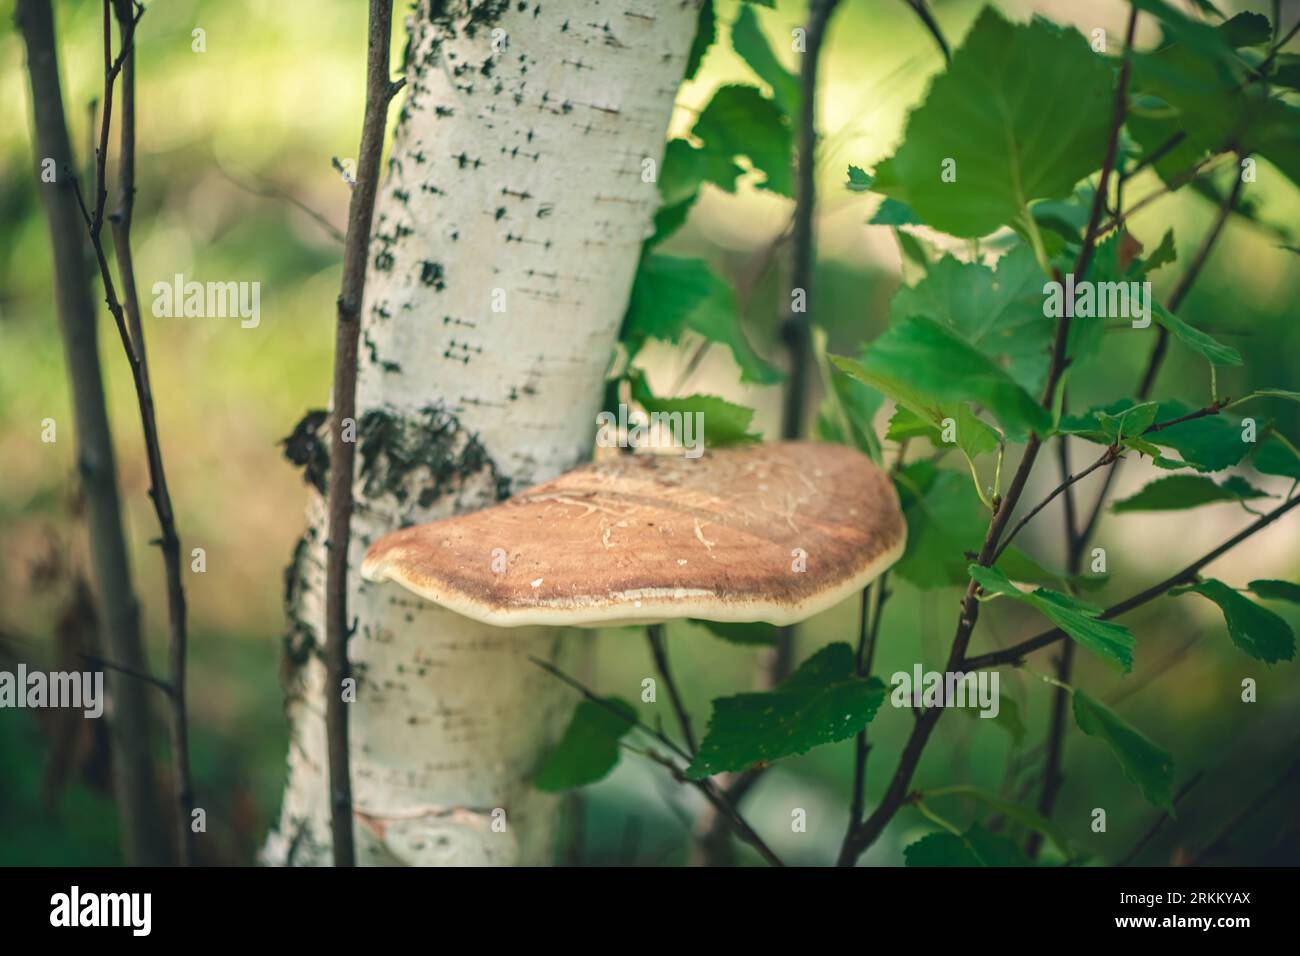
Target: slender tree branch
361, 211
1016, 654
1069, 481
795, 328
269, 190
861, 837
143, 843
1159, 822
706, 786
868, 634
127, 313
1247, 813
1156, 359
922, 10
655, 635
95, 661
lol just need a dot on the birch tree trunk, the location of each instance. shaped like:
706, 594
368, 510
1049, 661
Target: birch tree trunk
504, 247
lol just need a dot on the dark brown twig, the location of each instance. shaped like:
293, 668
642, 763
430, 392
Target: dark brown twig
133, 768
859, 838
795, 328
1246, 814
1159, 822
127, 314
659, 650
710, 791
922, 10
361, 210
1016, 654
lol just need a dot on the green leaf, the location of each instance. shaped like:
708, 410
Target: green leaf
1013, 141
1203, 344
891, 212
1112, 642
1272, 590
681, 174
588, 751
1273, 457
945, 522
923, 364
1175, 492
1026, 817
999, 313
1208, 443
1246, 29
1143, 762
1164, 254
1129, 423
940, 849
859, 180
757, 633
740, 121
821, 702
1008, 717
748, 40
671, 295
723, 422
1256, 630
706, 31
847, 414
976, 847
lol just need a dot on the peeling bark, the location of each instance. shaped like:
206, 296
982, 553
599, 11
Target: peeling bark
504, 247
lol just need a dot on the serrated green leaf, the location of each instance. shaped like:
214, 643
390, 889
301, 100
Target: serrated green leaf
1112, 642
1129, 423
740, 121
1163, 255
999, 312
859, 179
1176, 492
1246, 29
1202, 343
1259, 632
940, 849
821, 702
589, 748
923, 364
945, 522
671, 295
748, 40
706, 31
1013, 142
976, 847
1143, 762
1208, 443
724, 423
1272, 590
891, 212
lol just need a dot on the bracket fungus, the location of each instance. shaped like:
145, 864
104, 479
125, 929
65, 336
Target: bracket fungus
771, 533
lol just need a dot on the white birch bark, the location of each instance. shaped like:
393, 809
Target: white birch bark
505, 243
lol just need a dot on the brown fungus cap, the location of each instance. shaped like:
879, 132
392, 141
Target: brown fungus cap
639, 539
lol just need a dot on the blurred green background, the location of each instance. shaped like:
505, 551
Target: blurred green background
278, 92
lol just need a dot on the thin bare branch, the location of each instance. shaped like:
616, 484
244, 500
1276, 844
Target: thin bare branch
361, 211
